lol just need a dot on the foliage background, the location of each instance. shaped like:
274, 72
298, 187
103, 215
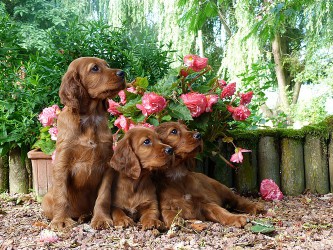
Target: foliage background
266, 46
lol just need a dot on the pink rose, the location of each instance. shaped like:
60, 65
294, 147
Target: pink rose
123, 123
239, 113
211, 100
196, 63
195, 102
48, 115
238, 155
53, 131
113, 107
228, 90
222, 83
270, 191
122, 96
246, 98
151, 103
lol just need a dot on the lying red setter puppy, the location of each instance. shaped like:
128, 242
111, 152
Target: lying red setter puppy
84, 144
194, 195
138, 154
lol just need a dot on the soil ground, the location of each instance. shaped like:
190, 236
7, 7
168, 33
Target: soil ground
302, 222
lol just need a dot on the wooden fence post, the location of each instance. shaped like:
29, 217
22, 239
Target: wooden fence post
246, 177
269, 159
222, 172
292, 166
315, 161
4, 172
18, 175
330, 161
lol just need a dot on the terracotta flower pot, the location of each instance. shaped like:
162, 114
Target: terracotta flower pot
41, 171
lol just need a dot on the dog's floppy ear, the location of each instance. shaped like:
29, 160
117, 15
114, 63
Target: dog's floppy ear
71, 91
124, 159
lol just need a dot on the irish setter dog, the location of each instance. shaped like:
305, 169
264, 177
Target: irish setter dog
84, 144
136, 155
192, 195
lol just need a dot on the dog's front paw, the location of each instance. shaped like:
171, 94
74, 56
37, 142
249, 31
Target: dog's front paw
237, 220
123, 221
101, 222
256, 208
152, 223
60, 224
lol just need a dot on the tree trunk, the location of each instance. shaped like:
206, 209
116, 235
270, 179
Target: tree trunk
330, 161
280, 73
18, 175
200, 43
297, 89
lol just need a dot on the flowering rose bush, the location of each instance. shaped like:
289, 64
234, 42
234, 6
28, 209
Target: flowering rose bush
193, 95
49, 131
206, 103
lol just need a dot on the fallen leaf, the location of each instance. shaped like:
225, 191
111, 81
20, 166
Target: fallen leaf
262, 227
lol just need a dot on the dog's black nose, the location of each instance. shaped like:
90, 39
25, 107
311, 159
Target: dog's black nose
197, 136
168, 150
120, 73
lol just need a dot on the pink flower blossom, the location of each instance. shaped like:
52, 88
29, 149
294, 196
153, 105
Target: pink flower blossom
48, 115
131, 90
238, 156
122, 96
195, 102
246, 98
123, 123
151, 103
48, 236
196, 63
53, 131
113, 107
269, 191
211, 100
222, 83
239, 113
184, 72
228, 90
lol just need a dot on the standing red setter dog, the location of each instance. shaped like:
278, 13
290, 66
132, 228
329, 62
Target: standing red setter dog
194, 195
138, 154
84, 144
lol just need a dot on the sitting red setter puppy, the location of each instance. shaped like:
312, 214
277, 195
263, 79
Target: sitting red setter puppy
84, 144
133, 192
194, 195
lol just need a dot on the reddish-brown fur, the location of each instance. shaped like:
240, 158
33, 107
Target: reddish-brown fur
133, 192
84, 144
192, 195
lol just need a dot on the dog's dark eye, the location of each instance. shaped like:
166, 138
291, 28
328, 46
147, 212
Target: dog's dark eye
147, 142
95, 68
174, 132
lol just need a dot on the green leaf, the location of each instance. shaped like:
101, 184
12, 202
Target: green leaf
141, 82
262, 227
179, 111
